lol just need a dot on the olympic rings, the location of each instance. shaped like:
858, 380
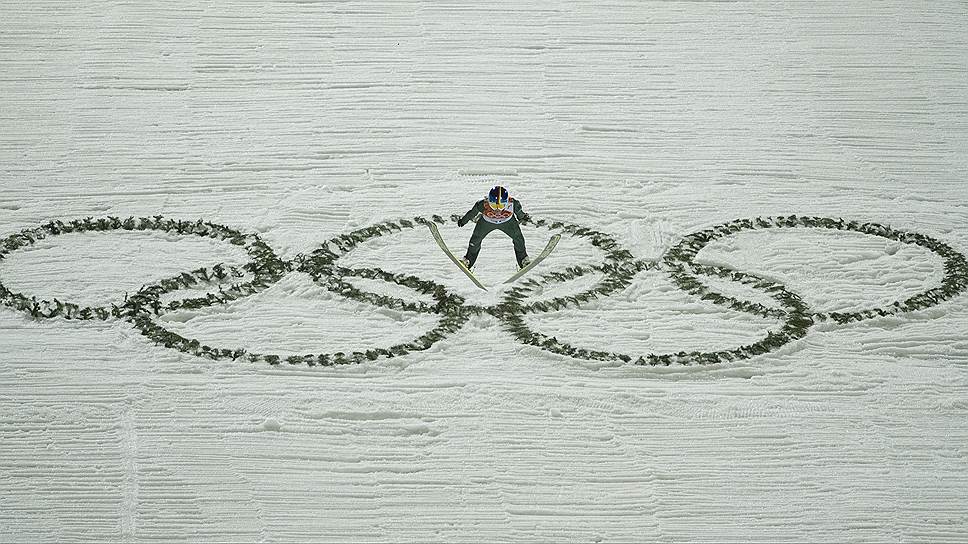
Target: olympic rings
618, 270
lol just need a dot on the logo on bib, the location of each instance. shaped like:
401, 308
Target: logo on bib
498, 216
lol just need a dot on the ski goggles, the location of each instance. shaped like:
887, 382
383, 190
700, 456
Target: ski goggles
497, 205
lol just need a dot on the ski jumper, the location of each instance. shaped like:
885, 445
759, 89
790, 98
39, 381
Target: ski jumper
507, 221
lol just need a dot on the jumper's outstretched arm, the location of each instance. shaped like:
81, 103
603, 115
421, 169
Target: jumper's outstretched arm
519, 213
471, 214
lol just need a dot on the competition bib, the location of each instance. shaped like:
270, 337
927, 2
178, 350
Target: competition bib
498, 216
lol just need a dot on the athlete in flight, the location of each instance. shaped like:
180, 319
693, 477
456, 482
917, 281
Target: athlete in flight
496, 212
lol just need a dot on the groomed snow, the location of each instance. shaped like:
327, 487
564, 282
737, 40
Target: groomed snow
300, 121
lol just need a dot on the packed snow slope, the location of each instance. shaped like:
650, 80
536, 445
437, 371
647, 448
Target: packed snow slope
292, 127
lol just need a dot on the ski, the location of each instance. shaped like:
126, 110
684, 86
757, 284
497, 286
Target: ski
450, 254
544, 253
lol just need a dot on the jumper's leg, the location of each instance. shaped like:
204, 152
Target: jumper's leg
514, 231
482, 229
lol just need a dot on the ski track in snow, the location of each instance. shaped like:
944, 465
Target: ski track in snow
301, 121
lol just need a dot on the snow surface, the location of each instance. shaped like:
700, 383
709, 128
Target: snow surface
648, 121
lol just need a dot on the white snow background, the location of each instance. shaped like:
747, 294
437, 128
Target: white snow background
648, 121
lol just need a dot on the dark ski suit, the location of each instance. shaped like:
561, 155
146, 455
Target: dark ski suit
507, 221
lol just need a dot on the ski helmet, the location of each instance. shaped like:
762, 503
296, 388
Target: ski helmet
498, 197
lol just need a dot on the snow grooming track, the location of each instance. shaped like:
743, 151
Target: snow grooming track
619, 268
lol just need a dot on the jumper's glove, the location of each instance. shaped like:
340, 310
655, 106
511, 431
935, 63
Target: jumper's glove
525, 218
461, 222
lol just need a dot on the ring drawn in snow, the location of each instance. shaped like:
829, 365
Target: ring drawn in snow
446, 324
261, 264
954, 282
617, 271
796, 323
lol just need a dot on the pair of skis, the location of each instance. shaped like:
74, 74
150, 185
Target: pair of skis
544, 253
